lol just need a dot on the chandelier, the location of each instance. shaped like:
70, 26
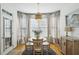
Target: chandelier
38, 15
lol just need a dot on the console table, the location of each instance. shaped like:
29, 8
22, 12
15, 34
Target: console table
70, 45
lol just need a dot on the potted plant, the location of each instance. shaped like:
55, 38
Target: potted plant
37, 33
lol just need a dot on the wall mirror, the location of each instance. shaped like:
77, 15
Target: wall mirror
72, 24
72, 19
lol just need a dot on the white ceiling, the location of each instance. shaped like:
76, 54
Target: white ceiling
43, 7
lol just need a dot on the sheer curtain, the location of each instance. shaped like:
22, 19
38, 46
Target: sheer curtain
23, 32
54, 24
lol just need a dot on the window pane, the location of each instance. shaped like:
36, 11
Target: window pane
33, 23
43, 22
7, 33
44, 32
7, 27
7, 23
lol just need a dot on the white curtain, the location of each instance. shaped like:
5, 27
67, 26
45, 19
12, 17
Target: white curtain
54, 24
23, 26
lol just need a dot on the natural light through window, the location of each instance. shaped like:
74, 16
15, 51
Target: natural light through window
42, 27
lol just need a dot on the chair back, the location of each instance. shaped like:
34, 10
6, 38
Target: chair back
37, 43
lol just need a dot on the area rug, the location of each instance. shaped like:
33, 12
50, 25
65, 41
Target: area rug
46, 51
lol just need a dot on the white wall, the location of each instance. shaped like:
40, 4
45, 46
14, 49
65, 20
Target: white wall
0, 29
14, 28
64, 12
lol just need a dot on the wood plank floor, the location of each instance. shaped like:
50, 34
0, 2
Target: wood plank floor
56, 48
20, 48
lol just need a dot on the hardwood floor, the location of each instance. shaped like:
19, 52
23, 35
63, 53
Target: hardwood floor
20, 48
56, 48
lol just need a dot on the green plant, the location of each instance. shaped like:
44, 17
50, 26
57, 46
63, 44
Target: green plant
37, 33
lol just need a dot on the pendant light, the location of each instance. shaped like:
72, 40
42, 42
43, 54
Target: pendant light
38, 15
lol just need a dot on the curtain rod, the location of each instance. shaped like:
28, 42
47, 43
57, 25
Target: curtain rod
35, 13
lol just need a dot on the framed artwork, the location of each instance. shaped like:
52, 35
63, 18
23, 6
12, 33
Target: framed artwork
72, 19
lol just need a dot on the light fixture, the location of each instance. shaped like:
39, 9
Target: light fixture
38, 15
68, 29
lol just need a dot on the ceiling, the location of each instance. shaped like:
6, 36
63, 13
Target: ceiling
43, 7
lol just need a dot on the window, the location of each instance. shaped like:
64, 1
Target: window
23, 24
23, 27
54, 24
42, 26
7, 30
